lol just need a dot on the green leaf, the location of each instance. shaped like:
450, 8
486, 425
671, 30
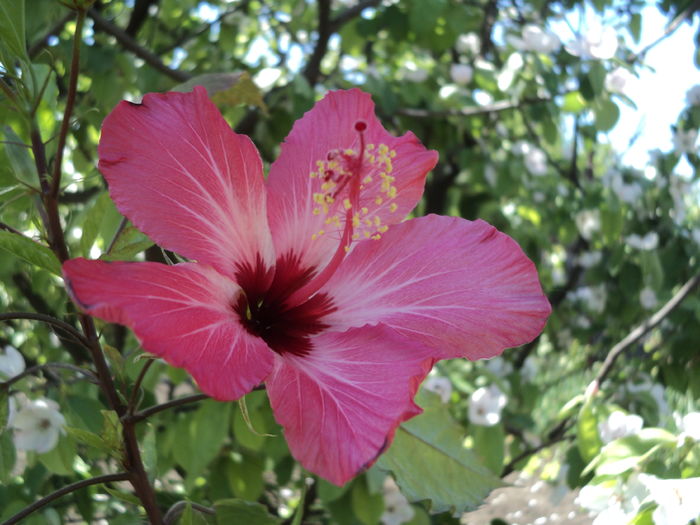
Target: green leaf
227, 89
128, 243
21, 161
573, 102
12, 34
93, 222
628, 452
636, 27
240, 511
123, 496
587, 438
367, 507
29, 250
112, 430
90, 439
606, 115
7, 456
429, 461
59, 460
489, 444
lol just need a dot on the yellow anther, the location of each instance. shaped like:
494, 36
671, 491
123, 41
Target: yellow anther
317, 211
355, 236
367, 222
393, 207
346, 204
367, 234
376, 236
377, 220
367, 179
383, 149
392, 153
347, 249
383, 228
349, 151
313, 174
365, 211
355, 220
378, 201
319, 164
369, 147
329, 199
392, 192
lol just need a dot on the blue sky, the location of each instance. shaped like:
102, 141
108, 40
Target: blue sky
660, 92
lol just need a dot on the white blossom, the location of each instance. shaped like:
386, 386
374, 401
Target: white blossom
690, 425
693, 95
37, 425
397, 509
506, 76
595, 297
618, 79
413, 73
461, 74
11, 363
655, 390
629, 193
441, 385
499, 366
469, 43
647, 298
598, 42
614, 504
684, 141
677, 499
536, 161
590, 259
534, 38
618, 425
647, 242
486, 405
11, 411
588, 223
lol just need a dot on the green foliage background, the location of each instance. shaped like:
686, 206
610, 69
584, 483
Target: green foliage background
233, 461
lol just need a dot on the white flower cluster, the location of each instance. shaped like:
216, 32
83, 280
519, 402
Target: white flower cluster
626, 192
486, 405
618, 425
693, 95
619, 80
594, 297
598, 42
619, 501
646, 242
397, 509
461, 74
588, 223
534, 158
685, 141
440, 385
534, 38
38, 423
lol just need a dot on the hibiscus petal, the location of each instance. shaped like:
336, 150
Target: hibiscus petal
329, 126
341, 404
460, 287
181, 313
182, 176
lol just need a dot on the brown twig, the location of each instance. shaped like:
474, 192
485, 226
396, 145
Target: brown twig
48, 366
148, 412
313, 67
132, 45
640, 331
10, 316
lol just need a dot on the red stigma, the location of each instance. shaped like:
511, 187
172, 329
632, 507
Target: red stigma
360, 126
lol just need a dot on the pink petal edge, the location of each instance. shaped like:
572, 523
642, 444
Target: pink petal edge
181, 313
330, 125
182, 176
341, 404
462, 288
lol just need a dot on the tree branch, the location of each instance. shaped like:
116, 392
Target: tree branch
148, 412
644, 328
350, 13
313, 67
48, 320
48, 366
132, 45
496, 107
107, 478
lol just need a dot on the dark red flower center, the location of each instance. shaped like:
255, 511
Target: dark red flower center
265, 310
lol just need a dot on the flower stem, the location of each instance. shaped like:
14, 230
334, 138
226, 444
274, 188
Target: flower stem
121, 476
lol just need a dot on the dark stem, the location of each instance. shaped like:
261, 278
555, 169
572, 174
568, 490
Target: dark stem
48, 366
143, 414
68, 111
131, 406
313, 67
107, 478
174, 512
48, 320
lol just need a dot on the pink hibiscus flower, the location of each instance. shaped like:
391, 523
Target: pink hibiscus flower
309, 281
